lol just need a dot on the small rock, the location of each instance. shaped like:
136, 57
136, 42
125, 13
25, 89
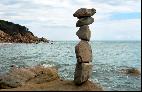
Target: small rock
83, 72
84, 21
131, 71
83, 12
84, 33
83, 52
43, 40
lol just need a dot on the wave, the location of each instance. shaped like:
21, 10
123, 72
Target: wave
5, 43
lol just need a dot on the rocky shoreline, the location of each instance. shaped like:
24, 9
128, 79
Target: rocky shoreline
40, 78
15, 33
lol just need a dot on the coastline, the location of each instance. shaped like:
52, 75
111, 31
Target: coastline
40, 78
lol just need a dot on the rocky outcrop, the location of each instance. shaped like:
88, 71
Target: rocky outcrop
39, 78
83, 50
17, 77
10, 32
131, 71
43, 40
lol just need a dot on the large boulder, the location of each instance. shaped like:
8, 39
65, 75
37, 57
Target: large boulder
84, 12
84, 33
16, 77
20, 76
83, 72
83, 52
84, 21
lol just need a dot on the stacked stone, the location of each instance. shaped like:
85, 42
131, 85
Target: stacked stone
83, 49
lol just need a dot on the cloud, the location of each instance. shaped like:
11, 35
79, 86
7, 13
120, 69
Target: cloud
117, 30
54, 17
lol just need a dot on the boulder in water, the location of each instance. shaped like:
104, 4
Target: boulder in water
131, 71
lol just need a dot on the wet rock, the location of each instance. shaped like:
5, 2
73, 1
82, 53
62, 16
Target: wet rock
131, 71
84, 21
83, 52
84, 12
84, 33
83, 72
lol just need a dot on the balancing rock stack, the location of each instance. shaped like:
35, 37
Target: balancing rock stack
83, 49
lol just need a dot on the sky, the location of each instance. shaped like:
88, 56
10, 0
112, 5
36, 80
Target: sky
53, 19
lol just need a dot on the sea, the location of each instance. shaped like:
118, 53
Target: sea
109, 57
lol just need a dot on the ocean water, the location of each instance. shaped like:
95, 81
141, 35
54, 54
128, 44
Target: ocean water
109, 57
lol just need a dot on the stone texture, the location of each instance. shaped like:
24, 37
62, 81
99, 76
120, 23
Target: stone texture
83, 52
84, 21
84, 12
84, 33
58, 85
83, 72
20, 76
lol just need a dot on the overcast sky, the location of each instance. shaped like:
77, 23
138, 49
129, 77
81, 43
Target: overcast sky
53, 19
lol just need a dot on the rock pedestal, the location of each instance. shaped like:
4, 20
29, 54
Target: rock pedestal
83, 49
82, 72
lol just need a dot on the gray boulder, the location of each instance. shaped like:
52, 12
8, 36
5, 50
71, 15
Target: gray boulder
84, 21
84, 33
83, 52
83, 72
84, 12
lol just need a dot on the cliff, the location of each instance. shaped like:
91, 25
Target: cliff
10, 32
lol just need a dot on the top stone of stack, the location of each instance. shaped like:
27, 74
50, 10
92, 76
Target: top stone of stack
83, 12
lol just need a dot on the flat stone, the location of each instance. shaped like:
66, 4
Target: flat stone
83, 52
83, 72
84, 33
84, 21
84, 12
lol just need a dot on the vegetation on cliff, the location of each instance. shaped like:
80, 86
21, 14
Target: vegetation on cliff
10, 32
